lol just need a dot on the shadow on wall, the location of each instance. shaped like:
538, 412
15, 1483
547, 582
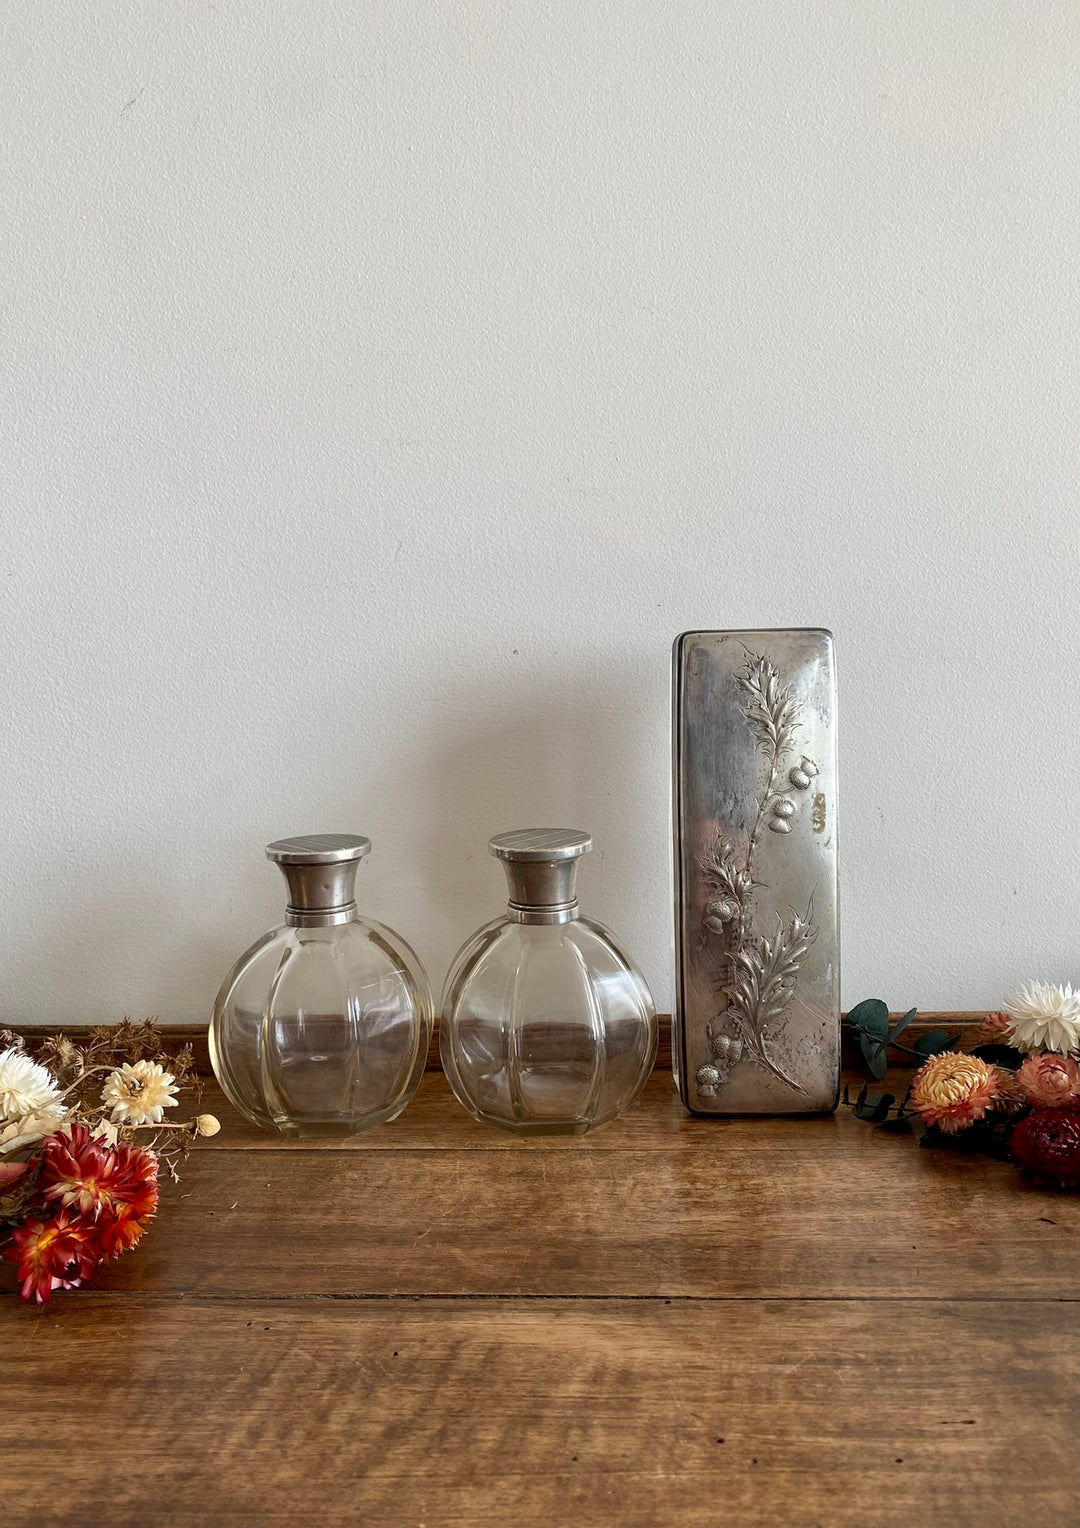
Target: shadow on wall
560, 750
567, 751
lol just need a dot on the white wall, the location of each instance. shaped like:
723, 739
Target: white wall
386, 382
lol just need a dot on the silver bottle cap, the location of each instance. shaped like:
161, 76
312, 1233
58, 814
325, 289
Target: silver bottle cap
541, 867
321, 871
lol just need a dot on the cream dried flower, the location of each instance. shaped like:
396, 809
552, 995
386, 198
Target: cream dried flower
138, 1093
18, 1133
1045, 1017
25, 1087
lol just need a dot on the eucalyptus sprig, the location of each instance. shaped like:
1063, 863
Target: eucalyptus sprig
869, 1021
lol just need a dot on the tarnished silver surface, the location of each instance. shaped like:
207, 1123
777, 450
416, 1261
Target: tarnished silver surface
757, 1006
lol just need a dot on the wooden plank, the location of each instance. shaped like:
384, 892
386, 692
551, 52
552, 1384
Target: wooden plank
480, 1414
822, 1207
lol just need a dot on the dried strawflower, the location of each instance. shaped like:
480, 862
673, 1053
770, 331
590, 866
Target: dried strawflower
1047, 1146
77, 1171
207, 1124
1011, 1097
995, 1029
135, 1187
952, 1091
1045, 1017
138, 1093
25, 1087
81, 1172
114, 1189
31, 1128
1049, 1080
52, 1254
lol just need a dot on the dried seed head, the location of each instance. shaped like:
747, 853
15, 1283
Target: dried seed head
206, 1124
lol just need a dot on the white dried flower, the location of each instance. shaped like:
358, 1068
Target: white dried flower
106, 1131
32, 1128
138, 1093
25, 1087
1045, 1017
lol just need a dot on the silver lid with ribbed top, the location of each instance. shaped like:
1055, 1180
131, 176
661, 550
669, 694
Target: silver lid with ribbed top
541, 868
321, 871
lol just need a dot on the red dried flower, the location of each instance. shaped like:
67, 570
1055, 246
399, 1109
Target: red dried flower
1047, 1145
113, 1187
53, 1254
80, 1170
135, 1181
76, 1171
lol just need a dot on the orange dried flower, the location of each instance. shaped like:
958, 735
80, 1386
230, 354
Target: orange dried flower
952, 1091
1049, 1079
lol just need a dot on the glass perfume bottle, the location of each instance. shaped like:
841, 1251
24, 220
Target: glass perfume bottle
322, 1027
547, 1027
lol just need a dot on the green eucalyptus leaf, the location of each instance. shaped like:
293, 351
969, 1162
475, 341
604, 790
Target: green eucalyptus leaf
874, 1055
934, 1041
875, 1107
871, 1015
902, 1024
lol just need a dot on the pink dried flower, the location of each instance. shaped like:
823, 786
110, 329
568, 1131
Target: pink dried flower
995, 1029
1049, 1080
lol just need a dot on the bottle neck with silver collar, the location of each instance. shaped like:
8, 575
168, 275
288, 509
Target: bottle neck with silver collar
541, 868
321, 871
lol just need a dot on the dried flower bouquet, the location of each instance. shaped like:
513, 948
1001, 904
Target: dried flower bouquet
83, 1134
1014, 1093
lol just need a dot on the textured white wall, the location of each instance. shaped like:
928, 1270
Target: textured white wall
386, 382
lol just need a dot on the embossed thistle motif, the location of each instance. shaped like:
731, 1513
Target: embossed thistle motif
760, 971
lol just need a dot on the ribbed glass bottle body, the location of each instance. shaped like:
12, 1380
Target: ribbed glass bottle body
323, 1031
546, 1029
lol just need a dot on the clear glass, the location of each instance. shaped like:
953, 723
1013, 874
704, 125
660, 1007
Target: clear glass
547, 1029
323, 1031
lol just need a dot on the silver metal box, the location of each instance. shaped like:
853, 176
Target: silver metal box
756, 1028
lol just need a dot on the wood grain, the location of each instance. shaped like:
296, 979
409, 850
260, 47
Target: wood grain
479, 1415
686, 1207
438, 1324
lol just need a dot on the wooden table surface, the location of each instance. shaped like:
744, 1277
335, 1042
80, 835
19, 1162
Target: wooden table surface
674, 1321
